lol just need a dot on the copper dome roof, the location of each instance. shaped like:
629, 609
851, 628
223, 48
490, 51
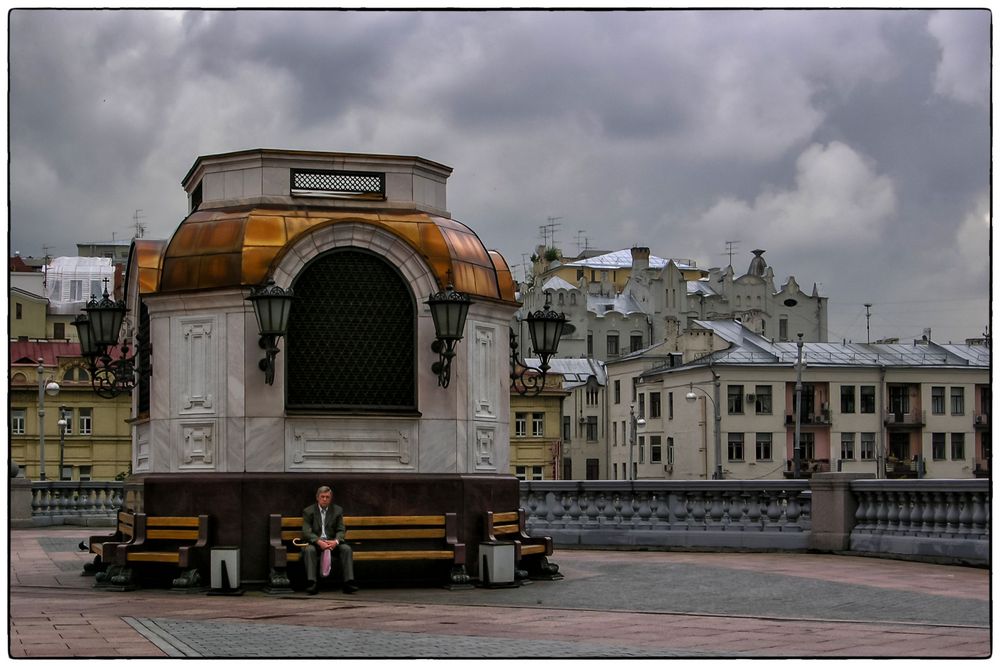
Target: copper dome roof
214, 249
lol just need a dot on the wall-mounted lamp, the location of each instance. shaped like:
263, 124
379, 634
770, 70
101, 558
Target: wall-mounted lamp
546, 328
98, 332
271, 305
449, 310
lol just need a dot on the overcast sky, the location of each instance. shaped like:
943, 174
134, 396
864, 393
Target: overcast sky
854, 146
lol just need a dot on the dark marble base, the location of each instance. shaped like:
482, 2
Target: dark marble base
238, 505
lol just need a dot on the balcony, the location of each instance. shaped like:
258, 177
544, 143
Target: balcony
820, 420
807, 467
913, 419
981, 421
900, 469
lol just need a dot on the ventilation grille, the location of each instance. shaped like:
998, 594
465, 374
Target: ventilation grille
327, 183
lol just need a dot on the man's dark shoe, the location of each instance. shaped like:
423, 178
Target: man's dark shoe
349, 587
313, 588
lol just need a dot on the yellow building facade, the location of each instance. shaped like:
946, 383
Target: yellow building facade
536, 442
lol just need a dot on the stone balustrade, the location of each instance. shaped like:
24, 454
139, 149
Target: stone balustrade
91, 503
737, 514
931, 517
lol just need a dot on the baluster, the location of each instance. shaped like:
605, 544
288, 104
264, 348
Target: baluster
583, 504
940, 527
951, 501
881, 512
679, 508
926, 515
861, 514
36, 500
892, 512
616, 508
697, 510
978, 514
753, 512
792, 510
663, 518
653, 519
45, 504
735, 509
773, 510
601, 503
573, 512
644, 512
965, 515
716, 511
872, 511
903, 518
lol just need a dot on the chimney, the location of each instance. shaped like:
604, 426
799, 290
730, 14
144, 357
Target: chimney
640, 259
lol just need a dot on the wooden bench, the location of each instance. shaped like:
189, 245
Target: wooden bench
170, 540
530, 553
373, 538
103, 546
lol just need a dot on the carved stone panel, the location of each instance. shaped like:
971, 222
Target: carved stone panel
484, 454
351, 445
198, 447
195, 363
483, 367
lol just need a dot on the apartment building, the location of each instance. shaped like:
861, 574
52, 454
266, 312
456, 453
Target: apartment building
536, 445
893, 410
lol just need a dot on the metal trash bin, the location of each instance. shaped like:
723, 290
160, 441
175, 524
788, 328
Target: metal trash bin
496, 563
225, 568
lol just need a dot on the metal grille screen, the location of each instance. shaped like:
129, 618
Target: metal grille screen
339, 181
351, 336
142, 359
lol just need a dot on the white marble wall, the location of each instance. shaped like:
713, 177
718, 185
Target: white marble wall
210, 409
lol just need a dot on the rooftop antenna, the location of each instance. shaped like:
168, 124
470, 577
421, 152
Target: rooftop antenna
139, 227
868, 321
581, 247
730, 248
550, 228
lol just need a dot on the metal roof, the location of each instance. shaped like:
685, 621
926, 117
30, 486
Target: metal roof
622, 259
575, 371
620, 303
556, 282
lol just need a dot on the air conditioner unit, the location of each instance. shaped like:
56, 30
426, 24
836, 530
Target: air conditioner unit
982, 419
891, 418
751, 398
583, 420
668, 467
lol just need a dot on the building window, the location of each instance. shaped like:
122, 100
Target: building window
654, 405
655, 455
613, 345
18, 311
593, 469
95, 289
618, 392
847, 446
847, 399
735, 446
592, 428
537, 424
642, 406
345, 352
783, 328
68, 416
642, 449
520, 424
734, 400
762, 399
867, 400
670, 405
528, 472
76, 290
590, 344
938, 444
567, 422
763, 447
614, 471
635, 343
958, 401
85, 472
670, 451
86, 420
17, 419
614, 434
937, 400
58, 329
867, 446
957, 446
567, 469
807, 442
592, 394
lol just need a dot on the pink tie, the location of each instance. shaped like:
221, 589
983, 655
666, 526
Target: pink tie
326, 562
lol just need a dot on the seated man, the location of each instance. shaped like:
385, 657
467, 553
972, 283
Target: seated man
323, 529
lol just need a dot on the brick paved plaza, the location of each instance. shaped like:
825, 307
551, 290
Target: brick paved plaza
611, 603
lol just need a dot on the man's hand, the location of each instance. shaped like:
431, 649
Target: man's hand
327, 544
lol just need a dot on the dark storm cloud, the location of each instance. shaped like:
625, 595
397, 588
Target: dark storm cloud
852, 145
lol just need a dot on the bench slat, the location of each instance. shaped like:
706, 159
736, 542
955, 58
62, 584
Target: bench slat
533, 549
187, 521
404, 555
505, 530
434, 520
501, 517
154, 556
161, 534
291, 522
396, 534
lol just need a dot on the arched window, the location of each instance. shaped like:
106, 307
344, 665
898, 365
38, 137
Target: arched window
351, 343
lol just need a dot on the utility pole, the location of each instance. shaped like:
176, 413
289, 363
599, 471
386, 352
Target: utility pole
797, 451
140, 228
868, 321
549, 230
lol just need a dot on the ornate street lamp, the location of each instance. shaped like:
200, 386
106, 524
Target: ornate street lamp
45, 387
545, 328
449, 310
691, 397
272, 305
98, 332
